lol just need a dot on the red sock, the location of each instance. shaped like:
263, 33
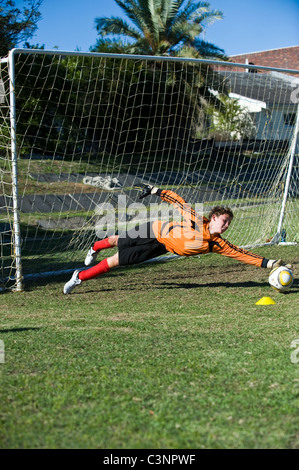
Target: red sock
102, 244
95, 271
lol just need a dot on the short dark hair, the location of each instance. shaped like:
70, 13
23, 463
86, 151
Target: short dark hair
220, 210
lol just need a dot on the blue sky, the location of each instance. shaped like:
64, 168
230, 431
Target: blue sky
248, 25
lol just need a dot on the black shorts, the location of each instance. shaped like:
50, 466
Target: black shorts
137, 250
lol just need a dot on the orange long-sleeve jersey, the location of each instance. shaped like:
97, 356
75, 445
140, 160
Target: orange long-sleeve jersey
191, 236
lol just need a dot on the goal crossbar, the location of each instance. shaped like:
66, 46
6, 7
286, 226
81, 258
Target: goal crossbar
152, 58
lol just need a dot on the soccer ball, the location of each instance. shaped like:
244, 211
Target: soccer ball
281, 278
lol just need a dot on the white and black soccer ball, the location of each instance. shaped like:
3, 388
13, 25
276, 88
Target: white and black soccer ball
281, 278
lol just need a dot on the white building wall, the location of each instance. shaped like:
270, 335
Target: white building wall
274, 124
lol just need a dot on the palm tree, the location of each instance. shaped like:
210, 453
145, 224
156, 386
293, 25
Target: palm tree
172, 28
163, 27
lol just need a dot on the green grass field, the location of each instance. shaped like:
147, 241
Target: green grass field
170, 355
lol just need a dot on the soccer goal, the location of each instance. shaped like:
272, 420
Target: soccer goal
82, 132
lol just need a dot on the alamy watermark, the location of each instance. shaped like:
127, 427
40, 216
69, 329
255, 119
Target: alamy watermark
295, 96
134, 217
295, 353
2, 352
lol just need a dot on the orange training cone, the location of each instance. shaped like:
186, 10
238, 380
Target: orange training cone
265, 301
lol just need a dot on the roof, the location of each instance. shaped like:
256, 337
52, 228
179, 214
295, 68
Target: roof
271, 88
264, 51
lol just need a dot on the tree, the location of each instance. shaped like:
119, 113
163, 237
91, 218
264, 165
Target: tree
231, 121
16, 26
163, 27
107, 45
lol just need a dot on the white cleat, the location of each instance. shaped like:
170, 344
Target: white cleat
72, 283
91, 257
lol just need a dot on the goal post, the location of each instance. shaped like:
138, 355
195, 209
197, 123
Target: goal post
81, 132
291, 177
14, 176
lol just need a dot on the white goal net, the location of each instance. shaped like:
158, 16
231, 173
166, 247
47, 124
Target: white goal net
80, 133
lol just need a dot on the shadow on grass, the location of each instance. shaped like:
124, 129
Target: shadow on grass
176, 285
228, 285
17, 330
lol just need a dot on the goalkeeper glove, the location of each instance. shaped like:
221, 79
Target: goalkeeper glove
147, 190
275, 263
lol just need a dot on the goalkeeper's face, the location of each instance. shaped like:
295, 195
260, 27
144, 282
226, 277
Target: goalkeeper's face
219, 224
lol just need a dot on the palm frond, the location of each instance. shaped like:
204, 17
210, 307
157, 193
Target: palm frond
207, 49
165, 25
115, 25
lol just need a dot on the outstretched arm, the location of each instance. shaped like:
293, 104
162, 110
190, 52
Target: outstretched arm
225, 248
172, 198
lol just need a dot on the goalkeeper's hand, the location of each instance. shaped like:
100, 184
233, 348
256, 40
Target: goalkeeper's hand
275, 263
147, 190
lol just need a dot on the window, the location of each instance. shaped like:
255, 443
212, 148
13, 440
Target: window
289, 119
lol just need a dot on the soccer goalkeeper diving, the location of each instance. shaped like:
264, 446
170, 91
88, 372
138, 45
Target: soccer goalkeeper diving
193, 235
